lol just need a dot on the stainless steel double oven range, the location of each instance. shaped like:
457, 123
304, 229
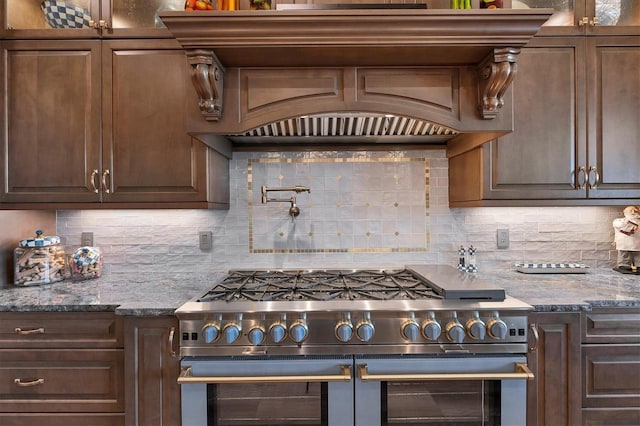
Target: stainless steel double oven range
418, 345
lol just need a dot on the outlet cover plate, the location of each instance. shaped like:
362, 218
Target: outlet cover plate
503, 238
205, 240
86, 239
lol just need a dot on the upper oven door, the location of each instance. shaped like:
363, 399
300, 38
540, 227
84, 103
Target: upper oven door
422, 390
245, 391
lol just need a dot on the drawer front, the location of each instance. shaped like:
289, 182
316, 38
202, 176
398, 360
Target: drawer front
36, 381
611, 326
61, 330
610, 376
67, 419
611, 416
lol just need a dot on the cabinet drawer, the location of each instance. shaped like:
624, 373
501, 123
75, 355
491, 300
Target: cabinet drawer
61, 330
74, 380
611, 416
611, 326
66, 419
610, 376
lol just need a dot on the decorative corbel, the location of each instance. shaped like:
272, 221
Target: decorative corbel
207, 76
496, 72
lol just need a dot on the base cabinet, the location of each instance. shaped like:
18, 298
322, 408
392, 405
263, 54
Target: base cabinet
61, 369
151, 370
554, 394
611, 367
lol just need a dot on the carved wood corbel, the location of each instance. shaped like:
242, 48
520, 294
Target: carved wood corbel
496, 72
207, 76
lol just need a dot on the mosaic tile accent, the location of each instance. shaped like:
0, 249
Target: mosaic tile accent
357, 204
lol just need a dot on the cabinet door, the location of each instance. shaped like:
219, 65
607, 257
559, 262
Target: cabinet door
541, 158
50, 120
614, 116
152, 395
148, 155
554, 396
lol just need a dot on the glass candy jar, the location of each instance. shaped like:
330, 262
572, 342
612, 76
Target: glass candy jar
39, 260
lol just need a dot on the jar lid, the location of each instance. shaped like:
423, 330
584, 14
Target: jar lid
39, 240
85, 256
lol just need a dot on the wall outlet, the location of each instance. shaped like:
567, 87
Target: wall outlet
205, 240
86, 239
503, 238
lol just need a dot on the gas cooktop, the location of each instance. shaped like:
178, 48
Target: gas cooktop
290, 285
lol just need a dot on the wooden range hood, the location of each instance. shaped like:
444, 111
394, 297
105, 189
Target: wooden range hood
258, 74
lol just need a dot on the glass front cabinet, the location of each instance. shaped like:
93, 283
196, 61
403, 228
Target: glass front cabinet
574, 17
85, 18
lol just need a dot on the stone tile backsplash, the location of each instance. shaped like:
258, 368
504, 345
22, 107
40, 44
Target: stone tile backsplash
398, 198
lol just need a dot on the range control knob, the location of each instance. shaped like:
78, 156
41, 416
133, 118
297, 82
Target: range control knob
211, 332
365, 329
431, 330
299, 331
497, 328
454, 331
231, 332
277, 332
344, 330
410, 330
476, 328
256, 335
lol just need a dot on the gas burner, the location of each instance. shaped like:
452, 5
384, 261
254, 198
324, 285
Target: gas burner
320, 285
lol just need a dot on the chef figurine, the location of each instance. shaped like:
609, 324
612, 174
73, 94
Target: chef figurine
627, 239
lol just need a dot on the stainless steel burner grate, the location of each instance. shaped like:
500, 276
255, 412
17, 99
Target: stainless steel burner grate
320, 285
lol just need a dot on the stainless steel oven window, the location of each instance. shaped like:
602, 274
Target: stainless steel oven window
267, 404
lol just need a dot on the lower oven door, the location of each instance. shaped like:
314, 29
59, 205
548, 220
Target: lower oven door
421, 390
267, 391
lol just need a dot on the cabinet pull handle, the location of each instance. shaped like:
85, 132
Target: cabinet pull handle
521, 372
104, 24
171, 335
536, 338
105, 186
595, 21
40, 330
593, 169
584, 21
186, 377
34, 382
585, 178
94, 175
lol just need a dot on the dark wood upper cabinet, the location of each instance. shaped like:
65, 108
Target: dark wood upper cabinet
576, 128
93, 123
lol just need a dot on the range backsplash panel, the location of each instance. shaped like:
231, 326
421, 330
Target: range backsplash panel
358, 202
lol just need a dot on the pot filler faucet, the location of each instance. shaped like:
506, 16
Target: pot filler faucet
294, 210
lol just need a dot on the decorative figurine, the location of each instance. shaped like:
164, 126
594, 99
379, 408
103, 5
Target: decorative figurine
627, 239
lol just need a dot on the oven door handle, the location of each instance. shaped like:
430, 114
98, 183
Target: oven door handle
187, 377
521, 372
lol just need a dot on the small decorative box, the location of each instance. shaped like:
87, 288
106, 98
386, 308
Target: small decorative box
86, 263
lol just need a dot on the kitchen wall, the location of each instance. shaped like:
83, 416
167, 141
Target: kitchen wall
351, 218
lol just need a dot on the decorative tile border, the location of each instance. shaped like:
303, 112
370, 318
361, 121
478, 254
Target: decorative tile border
365, 203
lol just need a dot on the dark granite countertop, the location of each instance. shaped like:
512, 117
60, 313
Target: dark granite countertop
161, 294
